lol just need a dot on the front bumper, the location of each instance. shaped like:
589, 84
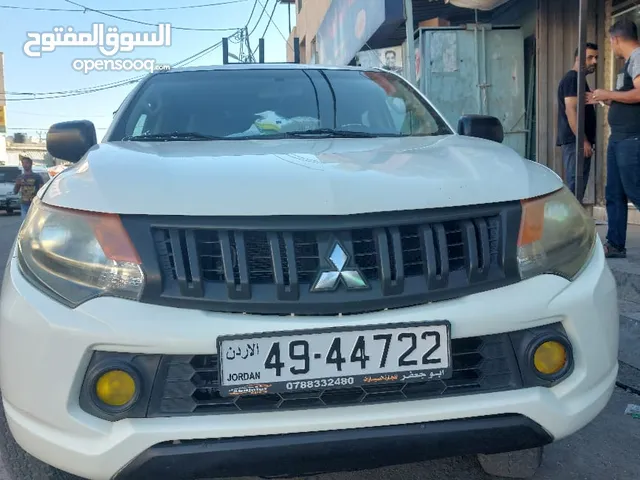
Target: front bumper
356, 449
45, 349
9, 203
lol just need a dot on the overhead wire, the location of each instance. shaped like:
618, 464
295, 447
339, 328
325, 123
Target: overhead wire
31, 96
264, 9
253, 9
266, 29
246, 31
33, 114
149, 24
123, 10
272, 22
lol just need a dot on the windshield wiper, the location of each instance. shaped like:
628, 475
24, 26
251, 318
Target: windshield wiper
171, 137
330, 132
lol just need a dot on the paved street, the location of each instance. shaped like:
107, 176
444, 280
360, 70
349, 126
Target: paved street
606, 449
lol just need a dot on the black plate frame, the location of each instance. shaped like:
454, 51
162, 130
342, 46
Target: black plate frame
266, 389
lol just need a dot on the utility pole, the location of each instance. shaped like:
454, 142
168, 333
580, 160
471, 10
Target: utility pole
225, 50
251, 58
411, 44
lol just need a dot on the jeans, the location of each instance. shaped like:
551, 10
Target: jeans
569, 155
24, 209
623, 185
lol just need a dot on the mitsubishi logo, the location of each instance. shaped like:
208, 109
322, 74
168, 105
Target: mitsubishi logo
352, 278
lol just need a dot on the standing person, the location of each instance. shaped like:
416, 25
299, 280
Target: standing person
623, 152
27, 185
568, 122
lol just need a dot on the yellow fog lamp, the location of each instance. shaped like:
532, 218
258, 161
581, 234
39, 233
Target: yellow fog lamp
117, 388
550, 358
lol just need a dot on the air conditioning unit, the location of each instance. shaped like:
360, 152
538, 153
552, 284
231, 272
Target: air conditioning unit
477, 4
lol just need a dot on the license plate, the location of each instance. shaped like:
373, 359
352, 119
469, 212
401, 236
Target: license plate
345, 357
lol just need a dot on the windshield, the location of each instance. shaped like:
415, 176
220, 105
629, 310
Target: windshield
9, 174
270, 103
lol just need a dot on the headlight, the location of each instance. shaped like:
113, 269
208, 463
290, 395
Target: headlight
77, 256
556, 236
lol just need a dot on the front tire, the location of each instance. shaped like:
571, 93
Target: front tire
19, 464
520, 464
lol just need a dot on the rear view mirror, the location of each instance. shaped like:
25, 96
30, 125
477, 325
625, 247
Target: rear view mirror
71, 140
481, 126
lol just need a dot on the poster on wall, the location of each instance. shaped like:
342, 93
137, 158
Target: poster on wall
387, 58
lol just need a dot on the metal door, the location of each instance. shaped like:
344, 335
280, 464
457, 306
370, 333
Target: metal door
477, 69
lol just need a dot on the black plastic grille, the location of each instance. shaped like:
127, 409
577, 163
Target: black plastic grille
209, 245
269, 265
188, 385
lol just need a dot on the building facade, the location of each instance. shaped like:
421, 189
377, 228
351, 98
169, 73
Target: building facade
309, 16
547, 31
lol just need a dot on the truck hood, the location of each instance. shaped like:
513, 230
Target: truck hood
297, 177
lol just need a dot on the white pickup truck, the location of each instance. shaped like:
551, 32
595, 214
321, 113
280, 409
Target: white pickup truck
278, 270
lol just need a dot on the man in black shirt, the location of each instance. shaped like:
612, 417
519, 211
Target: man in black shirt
568, 121
623, 152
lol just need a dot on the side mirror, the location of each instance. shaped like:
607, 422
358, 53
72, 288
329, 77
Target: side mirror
71, 140
481, 126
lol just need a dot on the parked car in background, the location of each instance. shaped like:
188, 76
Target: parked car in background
9, 201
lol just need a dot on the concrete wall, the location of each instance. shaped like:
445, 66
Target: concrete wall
308, 20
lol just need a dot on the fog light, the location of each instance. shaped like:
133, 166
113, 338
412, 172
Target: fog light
116, 388
550, 357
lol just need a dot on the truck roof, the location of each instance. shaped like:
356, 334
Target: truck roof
268, 66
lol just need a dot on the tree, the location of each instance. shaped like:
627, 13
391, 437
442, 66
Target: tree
19, 138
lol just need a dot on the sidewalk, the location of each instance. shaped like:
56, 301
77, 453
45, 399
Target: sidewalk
627, 274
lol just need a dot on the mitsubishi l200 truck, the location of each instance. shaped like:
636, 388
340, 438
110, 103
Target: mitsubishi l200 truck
278, 270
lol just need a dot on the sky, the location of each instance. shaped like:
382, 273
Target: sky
52, 72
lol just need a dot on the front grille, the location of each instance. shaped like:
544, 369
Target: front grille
188, 385
270, 265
